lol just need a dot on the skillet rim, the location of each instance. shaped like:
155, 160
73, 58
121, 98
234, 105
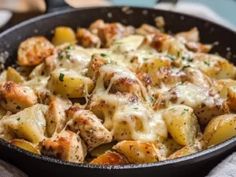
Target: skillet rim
199, 156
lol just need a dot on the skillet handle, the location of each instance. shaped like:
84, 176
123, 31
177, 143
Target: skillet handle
55, 5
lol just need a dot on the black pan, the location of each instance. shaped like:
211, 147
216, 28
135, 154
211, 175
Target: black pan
41, 166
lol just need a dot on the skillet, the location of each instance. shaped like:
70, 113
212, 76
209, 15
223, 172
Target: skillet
41, 166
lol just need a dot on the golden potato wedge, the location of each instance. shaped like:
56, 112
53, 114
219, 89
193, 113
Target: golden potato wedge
28, 124
34, 51
186, 150
26, 145
110, 158
13, 75
137, 151
63, 34
181, 123
220, 129
70, 84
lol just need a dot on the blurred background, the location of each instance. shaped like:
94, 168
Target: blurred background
219, 11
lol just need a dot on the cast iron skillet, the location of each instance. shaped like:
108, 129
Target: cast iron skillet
41, 166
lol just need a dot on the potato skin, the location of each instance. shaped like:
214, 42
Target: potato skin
110, 158
34, 51
70, 84
220, 129
181, 123
137, 151
23, 144
16, 97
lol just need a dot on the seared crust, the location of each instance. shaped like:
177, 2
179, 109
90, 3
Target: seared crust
110, 158
16, 97
89, 126
65, 146
34, 51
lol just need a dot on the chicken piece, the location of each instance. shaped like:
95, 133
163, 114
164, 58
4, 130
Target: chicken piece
109, 32
34, 51
206, 104
87, 39
191, 35
191, 40
197, 77
137, 151
95, 64
214, 66
16, 97
89, 126
56, 116
66, 145
110, 158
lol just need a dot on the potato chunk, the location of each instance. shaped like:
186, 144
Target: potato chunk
34, 51
16, 97
66, 146
89, 126
26, 145
13, 75
56, 116
110, 158
181, 123
137, 151
63, 34
220, 129
69, 83
28, 124
186, 150
214, 66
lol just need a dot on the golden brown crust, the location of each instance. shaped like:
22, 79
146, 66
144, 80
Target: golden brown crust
110, 158
34, 51
15, 97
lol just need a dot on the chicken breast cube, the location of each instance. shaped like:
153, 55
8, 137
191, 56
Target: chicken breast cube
34, 51
66, 145
90, 127
16, 97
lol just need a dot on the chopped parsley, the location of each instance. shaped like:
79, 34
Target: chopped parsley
187, 58
171, 57
18, 119
207, 63
103, 54
61, 77
65, 53
184, 111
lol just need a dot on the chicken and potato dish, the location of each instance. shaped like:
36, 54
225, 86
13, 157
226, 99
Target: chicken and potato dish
116, 94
